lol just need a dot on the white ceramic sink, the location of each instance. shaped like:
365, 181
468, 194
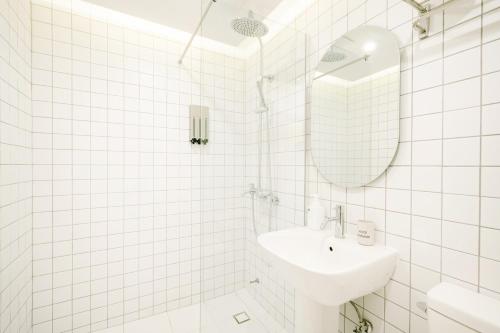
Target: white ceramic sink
327, 271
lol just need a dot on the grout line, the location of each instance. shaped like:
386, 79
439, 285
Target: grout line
90, 181
123, 219
410, 210
107, 177
481, 67
442, 146
32, 167
72, 177
52, 171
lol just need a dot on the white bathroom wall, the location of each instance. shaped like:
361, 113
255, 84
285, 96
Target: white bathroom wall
117, 187
118, 194
15, 166
438, 203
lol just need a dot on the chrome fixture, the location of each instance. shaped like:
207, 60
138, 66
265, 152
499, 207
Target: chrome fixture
422, 24
255, 281
364, 57
422, 306
364, 325
269, 196
249, 26
340, 226
420, 8
196, 30
252, 191
333, 55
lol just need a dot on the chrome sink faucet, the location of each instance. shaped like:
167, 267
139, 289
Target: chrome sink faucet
340, 226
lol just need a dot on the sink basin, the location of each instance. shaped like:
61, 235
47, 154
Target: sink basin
327, 271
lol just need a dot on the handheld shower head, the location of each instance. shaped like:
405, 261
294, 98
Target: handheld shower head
260, 87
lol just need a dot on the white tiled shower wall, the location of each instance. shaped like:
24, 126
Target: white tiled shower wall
439, 201
121, 211
15, 166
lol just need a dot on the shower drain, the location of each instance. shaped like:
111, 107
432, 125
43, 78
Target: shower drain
241, 317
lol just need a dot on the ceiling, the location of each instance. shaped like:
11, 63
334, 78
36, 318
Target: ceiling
185, 15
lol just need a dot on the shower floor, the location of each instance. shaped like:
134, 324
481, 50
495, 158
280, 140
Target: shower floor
216, 317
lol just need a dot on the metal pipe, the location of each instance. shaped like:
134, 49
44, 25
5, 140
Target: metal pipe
365, 58
416, 5
360, 317
422, 23
435, 10
196, 30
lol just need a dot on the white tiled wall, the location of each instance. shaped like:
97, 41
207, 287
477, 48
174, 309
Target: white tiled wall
438, 203
15, 166
129, 219
119, 220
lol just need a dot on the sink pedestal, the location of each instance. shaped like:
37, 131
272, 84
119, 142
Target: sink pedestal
326, 272
313, 317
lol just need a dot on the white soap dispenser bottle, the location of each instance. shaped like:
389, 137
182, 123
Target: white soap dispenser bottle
315, 213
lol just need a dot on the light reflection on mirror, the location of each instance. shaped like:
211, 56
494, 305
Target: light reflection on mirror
355, 107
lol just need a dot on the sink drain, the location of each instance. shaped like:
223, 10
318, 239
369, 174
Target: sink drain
241, 317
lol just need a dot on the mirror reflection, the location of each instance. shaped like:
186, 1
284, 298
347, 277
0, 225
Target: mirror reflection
355, 107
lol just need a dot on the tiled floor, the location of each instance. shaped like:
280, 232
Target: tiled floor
216, 317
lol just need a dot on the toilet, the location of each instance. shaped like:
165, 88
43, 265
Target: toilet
453, 309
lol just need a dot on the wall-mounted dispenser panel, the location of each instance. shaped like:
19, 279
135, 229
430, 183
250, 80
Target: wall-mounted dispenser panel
198, 120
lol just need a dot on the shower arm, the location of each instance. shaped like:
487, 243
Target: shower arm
196, 30
364, 58
421, 9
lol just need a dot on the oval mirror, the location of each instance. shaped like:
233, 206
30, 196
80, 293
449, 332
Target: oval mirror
355, 107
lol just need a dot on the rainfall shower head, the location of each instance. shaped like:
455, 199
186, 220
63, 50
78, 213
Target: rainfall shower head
333, 56
249, 26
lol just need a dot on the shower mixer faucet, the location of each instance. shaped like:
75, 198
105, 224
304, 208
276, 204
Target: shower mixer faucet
252, 190
269, 196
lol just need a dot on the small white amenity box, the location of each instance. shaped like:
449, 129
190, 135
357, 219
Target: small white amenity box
366, 232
